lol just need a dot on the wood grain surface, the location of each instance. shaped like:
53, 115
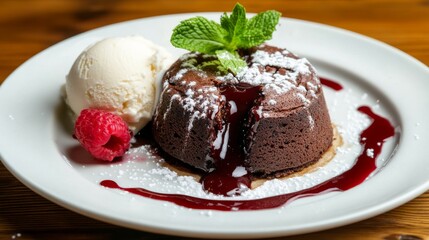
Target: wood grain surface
27, 27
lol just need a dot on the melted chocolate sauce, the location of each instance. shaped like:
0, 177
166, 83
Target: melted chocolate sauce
228, 147
372, 140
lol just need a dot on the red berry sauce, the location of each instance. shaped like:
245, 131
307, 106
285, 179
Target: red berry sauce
331, 84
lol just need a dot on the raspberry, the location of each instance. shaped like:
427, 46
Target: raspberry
103, 134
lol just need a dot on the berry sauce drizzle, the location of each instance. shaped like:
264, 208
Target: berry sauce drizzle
331, 84
371, 139
228, 147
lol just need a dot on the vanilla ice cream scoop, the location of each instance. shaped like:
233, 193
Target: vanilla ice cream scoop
118, 75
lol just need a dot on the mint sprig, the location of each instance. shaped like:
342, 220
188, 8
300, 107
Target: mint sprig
234, 32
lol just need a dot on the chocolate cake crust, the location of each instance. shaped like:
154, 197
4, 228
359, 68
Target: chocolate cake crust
288, 126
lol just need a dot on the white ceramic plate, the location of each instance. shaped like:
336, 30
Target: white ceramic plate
33, 140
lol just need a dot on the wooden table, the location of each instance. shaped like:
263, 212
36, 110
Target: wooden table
27, 27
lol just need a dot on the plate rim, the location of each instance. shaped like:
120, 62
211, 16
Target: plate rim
258, 233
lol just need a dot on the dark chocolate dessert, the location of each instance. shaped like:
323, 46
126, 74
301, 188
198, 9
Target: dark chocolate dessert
270, 119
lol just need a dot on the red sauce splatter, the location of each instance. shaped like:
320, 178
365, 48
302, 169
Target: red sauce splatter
331, 84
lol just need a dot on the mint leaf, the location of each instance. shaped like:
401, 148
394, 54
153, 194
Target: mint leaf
250, 39
259, 29
231, 61
199, 34
226, 24
266, 21
234, 24
234, 32
238, 19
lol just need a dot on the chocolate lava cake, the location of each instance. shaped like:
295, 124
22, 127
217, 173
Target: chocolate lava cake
271, 117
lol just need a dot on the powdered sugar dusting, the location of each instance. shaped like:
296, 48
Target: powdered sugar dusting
280, 82
280, 60
180, 73
311, 121
197, 104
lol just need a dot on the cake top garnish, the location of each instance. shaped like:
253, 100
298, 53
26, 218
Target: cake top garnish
235, 32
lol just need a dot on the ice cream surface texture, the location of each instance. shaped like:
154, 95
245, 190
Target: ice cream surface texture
118, 75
